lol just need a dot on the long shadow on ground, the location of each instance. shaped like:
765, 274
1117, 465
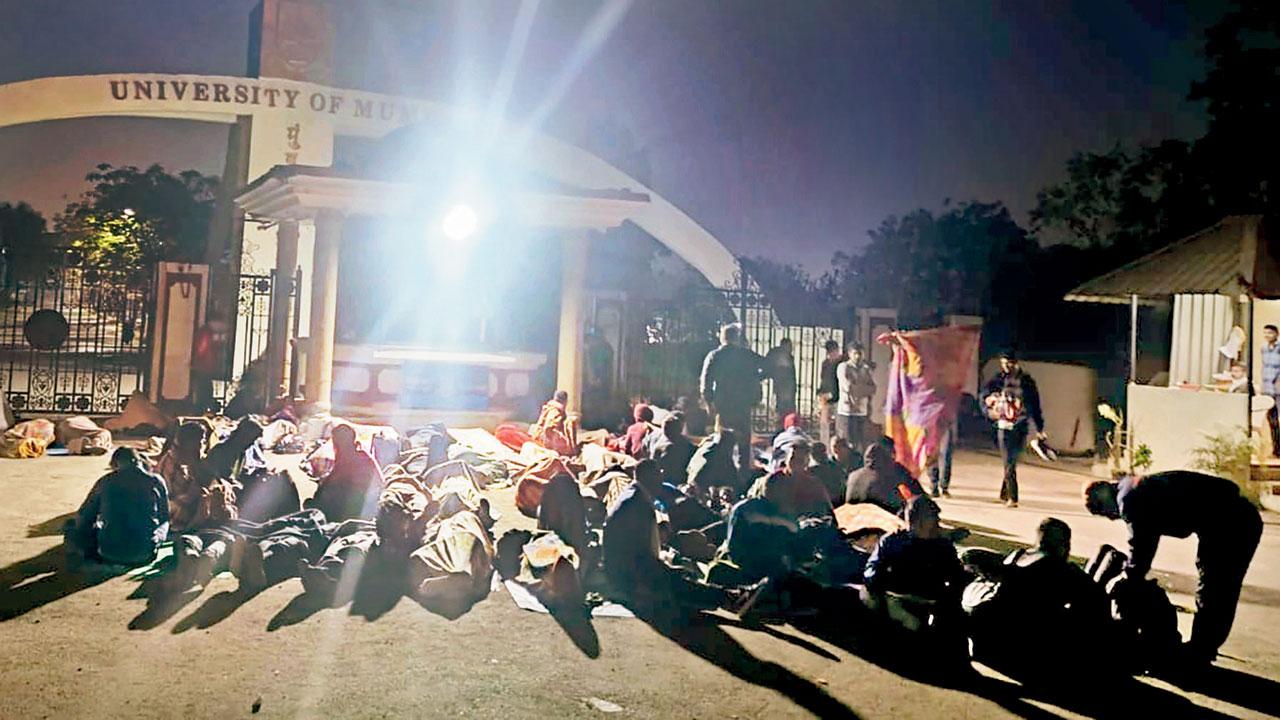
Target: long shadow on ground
703, 636
52, 526
1088, 694
1238, 688
45, 578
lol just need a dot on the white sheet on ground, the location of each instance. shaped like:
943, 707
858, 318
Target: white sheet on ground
525, 600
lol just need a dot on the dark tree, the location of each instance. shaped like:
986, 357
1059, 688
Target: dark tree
133, 218
927, 266
1130, 200
22, 236
1241, 92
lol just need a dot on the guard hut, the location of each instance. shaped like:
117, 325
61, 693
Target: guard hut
1224, 277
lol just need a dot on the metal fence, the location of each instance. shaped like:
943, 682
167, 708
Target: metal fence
74, 339
664, 344
255, 295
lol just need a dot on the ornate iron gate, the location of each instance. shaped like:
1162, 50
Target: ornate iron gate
666, 343
74, 339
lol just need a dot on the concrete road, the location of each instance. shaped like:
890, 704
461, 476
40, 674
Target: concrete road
77, 647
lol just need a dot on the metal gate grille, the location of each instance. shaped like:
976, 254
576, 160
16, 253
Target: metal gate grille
666, 344
74, 339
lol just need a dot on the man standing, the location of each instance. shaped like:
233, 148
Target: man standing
781, 366
1179, 503
1012, 401
1271, 381
730, 385
856, 388
828, 392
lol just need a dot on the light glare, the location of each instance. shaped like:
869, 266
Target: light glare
460, 222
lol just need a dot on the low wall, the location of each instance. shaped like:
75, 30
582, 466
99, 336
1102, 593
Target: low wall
1174, 422
1068, 398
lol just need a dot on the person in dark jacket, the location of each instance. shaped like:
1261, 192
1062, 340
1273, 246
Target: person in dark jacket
126, 515
781, 367
237, 454
829, 472
695, 416
1013, 403
1178, 503
920, 561
882, 481
828, 392
672, 451
730, 385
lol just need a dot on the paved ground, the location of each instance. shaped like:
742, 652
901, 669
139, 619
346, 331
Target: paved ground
76, 648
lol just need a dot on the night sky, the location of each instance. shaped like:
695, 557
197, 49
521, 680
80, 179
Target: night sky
785, 128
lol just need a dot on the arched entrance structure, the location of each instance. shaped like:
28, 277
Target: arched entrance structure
294, 123
286, 138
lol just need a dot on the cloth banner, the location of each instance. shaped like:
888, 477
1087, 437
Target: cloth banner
926, 381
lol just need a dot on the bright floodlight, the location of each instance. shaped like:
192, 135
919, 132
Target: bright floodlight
460, 222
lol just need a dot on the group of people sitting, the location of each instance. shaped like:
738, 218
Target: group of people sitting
667, 525
689, 527
426, 534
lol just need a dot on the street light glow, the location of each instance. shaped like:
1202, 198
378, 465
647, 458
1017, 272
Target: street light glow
460, 223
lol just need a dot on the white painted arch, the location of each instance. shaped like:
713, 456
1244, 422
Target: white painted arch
321, 112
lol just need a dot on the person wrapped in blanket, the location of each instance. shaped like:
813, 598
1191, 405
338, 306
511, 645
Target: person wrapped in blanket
783, 538
352, 487
633, 440
555, 428
178, 464
671, 450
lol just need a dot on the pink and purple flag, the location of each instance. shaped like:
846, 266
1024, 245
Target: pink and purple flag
926, 381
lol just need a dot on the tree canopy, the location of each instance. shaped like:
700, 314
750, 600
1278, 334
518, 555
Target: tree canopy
22, 233
133, 218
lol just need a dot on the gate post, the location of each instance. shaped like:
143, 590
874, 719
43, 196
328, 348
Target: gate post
324, 310
281, 329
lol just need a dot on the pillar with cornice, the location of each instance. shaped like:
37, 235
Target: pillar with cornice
281, 329
573, 318
324, 310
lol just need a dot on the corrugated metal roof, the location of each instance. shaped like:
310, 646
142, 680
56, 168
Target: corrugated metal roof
1211, 261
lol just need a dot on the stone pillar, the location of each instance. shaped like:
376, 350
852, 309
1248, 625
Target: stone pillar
281, 316
573, 316
324, 311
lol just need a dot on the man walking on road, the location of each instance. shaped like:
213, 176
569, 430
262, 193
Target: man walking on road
1013, 402
1178, 503
730, 385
